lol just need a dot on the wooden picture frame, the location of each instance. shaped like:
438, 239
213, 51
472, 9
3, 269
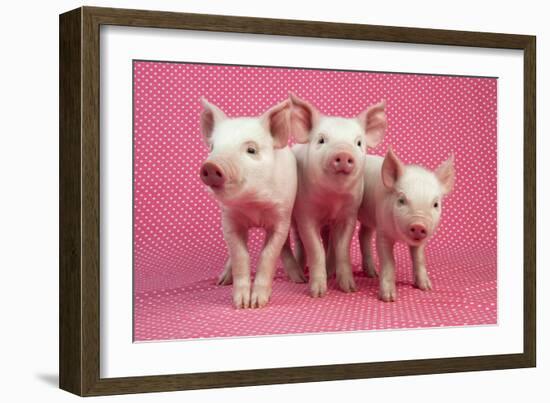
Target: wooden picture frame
79, 281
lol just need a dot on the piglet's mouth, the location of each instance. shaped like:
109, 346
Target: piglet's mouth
417, 239
225, 187
341, 171
218, 189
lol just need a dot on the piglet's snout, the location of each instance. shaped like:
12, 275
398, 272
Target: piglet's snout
418, 231
212, 174
342, 162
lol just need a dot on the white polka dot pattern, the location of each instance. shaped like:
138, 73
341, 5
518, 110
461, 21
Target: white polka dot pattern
178, 243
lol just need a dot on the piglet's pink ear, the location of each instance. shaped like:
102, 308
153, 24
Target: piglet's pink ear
446, 174
277, 121
303, 118
210, 116
392, 169
374, 121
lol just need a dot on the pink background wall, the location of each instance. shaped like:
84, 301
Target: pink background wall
178, 244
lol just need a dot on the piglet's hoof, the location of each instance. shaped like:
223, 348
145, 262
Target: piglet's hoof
423, 283
347, 284
388, 293
260, 296
296, 274
318, 288
370, 271
225, 278
241, 296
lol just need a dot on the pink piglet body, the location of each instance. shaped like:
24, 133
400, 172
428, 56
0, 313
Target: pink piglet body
251, 172
330, 159
402, 203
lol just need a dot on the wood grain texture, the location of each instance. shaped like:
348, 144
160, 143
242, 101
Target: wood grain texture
161, 383
80, 201
70, 273
316, 29
90, 201
530, 202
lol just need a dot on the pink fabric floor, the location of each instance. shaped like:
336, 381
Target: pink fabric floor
178, 244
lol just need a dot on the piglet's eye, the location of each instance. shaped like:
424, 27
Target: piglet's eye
401, 201
251, 150
321, 140
436, 205
359, 143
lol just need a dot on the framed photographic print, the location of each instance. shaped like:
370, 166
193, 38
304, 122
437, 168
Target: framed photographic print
250, 201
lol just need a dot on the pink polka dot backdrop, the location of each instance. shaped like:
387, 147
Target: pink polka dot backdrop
178, 244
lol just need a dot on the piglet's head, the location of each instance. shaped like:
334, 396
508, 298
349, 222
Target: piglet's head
416, 196
336, 145
241, 150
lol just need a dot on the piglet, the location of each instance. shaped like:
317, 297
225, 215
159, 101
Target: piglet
251, 172
330, 156
402, 203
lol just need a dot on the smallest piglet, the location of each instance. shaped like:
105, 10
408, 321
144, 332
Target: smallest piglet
402, 203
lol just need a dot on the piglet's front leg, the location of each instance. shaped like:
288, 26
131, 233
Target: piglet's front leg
421, 279
341, 235
275, 239
315, 255
236, 238
384, 247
